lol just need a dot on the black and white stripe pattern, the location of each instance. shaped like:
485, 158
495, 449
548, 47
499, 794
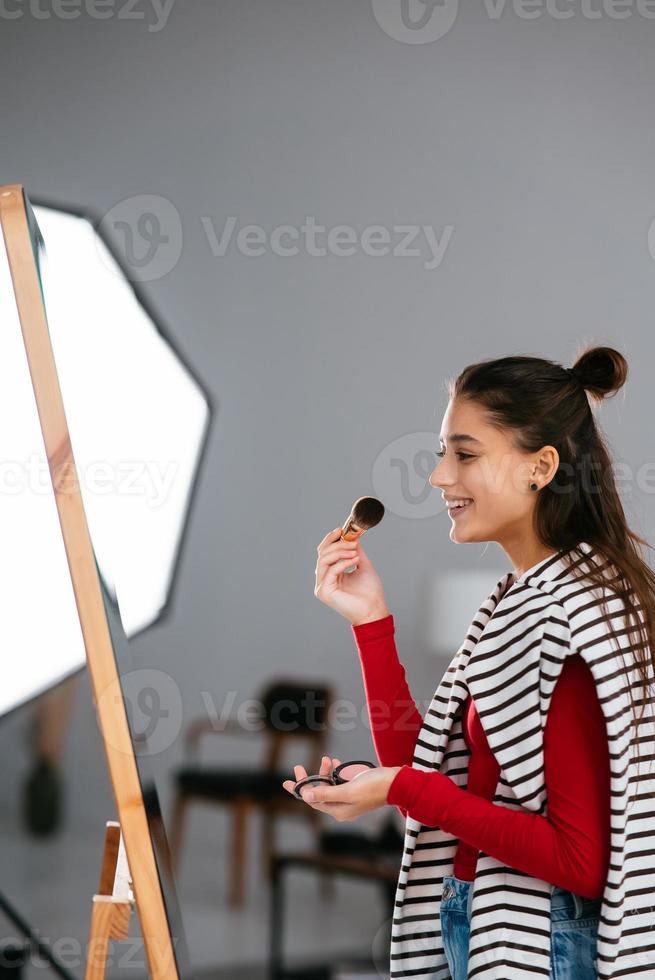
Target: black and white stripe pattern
509, 661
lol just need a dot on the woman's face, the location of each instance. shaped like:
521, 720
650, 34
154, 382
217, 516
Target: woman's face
488, 470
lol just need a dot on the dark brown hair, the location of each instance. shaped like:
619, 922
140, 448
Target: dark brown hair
540, 403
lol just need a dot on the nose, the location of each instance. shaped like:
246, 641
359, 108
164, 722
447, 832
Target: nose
442, 480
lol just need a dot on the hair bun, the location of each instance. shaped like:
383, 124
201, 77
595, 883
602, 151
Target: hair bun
601, 371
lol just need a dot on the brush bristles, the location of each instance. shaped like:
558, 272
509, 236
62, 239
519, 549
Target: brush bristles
367, 512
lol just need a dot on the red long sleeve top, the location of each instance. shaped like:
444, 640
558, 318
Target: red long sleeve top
569, 847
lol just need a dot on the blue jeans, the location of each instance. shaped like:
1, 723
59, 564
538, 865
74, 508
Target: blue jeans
574, 927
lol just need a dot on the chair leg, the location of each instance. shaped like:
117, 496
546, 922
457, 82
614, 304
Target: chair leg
177, 829
326, 885
240, 810
268, 841
325, 878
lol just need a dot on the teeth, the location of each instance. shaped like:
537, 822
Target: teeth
458, 503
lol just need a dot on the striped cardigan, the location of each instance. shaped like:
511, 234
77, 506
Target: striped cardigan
510, 661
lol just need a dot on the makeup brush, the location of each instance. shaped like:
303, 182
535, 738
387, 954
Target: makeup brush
366, 513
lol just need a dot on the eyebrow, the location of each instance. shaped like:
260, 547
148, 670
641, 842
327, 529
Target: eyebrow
461, 437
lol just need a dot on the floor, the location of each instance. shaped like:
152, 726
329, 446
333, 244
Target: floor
50, 882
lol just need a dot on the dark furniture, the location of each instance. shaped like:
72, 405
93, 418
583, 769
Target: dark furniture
291, 712
352, 854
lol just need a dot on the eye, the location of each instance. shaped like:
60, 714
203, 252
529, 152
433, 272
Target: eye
462, 456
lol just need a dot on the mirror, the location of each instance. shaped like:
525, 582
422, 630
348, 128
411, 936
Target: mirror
86, 563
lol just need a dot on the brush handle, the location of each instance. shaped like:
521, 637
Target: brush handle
349, 535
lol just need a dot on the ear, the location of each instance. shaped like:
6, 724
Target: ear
545, 465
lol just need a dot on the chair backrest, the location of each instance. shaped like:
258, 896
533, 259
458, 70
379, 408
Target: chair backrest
296, 709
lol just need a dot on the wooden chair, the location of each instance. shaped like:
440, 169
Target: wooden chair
292, 711
350, 853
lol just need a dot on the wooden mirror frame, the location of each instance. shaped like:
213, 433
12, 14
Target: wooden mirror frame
165, 953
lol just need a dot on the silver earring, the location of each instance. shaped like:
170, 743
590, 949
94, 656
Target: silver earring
533, 486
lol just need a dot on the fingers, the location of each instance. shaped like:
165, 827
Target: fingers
332, 564
290, 784
335, 555
337, 568
327, 765
300, 773
330, 536
338, 808
342, 549
327, 546
332, 541
330, 796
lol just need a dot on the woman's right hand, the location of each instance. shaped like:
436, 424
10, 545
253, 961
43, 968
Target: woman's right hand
359, 596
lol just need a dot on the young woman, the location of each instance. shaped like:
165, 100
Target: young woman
529, 786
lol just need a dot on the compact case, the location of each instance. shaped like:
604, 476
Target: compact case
342, 773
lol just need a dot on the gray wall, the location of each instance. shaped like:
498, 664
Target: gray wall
532, 138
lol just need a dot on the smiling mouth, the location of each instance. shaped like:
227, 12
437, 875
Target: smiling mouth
456, 511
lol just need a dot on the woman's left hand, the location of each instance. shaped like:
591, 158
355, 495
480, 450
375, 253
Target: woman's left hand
366, 791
